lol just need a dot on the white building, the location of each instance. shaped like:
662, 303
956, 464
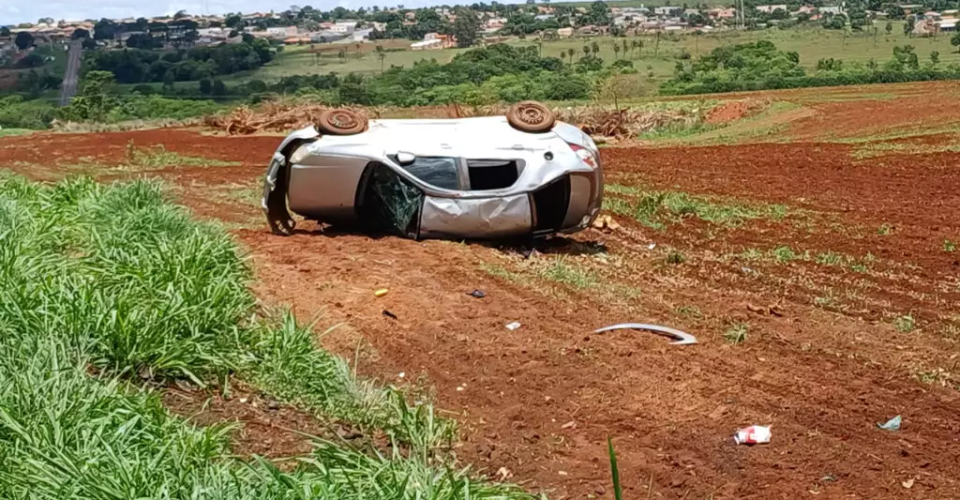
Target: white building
770, 8
346, 26
282, 31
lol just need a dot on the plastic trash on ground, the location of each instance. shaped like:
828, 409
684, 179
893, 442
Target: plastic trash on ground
891, 425
513, 326
755, 434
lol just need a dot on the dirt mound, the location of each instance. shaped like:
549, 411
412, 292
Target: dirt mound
735, 110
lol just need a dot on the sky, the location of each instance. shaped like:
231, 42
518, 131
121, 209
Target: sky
18, 11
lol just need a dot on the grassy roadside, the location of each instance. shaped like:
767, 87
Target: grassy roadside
107, 290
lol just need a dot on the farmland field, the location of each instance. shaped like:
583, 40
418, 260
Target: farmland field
811, 247
812, 44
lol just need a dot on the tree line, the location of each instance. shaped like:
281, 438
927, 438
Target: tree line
142, 66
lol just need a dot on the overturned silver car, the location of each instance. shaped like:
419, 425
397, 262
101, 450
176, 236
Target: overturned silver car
524, 174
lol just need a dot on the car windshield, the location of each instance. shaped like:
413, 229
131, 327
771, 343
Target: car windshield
436, 171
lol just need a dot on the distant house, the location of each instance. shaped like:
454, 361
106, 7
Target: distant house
834, 9
362, 35
345, 26
410, 16
544, 17
667, 11
770, 8
282, 31
722, 13
434, 41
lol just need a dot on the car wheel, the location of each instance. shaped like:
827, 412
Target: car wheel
531, 116
341, 122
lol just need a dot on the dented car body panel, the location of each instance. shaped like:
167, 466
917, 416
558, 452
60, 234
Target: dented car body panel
454, 178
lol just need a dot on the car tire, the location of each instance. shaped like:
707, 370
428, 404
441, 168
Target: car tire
341, 122
531, 116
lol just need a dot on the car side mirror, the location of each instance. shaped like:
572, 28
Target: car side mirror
405, 158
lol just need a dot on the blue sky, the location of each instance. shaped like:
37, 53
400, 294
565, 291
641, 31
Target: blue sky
15, 11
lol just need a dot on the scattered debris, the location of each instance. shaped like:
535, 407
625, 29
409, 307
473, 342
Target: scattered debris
504, 473
682, 338
891, 425
272, 116
908, 483
569, 425
389, 314
513, 326
755, 434
651, 246
829, 478
401, 375
477, 294
381, 292
606, 222
773, 310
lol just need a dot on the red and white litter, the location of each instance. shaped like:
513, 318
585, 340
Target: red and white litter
755, 434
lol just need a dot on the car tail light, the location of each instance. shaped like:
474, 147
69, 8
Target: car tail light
585, 155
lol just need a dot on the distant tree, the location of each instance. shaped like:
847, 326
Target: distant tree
23, 40
624, 46
206, 86
105, 29
80, 34
895, 11
955, 40
353, 90
906, 56
466, 26
219, 88
570, 53
4, 31
342, 55
169, 78
909, 26
234, 21
616, 50
889, 27
586, 50
180, 15
595, 48
599, 13
382, 55
935, 57
46, 20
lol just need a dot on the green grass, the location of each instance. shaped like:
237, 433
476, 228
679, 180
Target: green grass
657, 209
905, 323
104, 287
560, 270
157, 157
949, 246
812, 43
737, 333
11, 132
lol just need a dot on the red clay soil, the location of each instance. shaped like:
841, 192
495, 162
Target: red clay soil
733, 110
541, 401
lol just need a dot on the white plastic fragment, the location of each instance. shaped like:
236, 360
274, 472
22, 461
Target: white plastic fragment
513, 326
891, 425
681, 338
755, 434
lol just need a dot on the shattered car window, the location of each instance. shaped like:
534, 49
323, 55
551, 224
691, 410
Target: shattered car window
436, 171
393, 202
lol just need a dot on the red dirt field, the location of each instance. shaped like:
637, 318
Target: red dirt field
542, 400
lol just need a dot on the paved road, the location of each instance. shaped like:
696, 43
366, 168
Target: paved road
71, 77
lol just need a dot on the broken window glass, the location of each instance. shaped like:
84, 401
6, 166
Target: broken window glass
437, 171
392, 203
